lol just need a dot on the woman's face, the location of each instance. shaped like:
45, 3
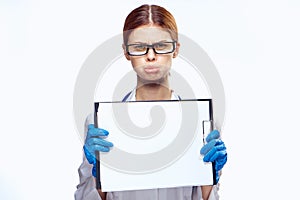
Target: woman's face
151, 67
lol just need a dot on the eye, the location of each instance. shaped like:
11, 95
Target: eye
139, 47
160, 46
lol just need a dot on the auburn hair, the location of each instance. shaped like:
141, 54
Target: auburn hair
150, 14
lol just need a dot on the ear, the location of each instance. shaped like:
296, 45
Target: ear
125, 53
176, 52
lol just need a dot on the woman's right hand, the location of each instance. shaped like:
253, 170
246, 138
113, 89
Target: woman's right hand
95, 141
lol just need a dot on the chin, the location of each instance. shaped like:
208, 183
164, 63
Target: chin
153, 81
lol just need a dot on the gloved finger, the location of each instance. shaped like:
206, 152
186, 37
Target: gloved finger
213, 154
218, 155
98, 141
90, 152
220, 162
101, 148
215, 134
96, 132
206, 148
94, 173
90, 155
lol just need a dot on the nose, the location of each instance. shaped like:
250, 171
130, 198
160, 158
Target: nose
151, 56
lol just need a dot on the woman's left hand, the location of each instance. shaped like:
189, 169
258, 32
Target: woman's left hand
215, 151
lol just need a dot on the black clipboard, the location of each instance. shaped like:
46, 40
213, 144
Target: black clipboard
97, 153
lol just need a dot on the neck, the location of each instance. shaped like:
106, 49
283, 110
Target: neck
153, 91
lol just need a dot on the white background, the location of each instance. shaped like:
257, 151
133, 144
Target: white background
254, 45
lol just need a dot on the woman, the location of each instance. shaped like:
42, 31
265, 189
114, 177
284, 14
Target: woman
150, 42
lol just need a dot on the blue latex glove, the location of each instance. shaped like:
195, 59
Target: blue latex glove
215, 151
95, 141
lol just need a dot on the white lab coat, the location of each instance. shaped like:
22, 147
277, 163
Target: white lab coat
86, 189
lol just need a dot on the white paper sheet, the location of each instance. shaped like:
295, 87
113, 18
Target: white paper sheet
156, 144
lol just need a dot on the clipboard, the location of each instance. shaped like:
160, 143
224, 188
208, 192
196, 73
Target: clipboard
98, 183
116, 108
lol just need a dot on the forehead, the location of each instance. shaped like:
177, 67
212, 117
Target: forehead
149, 34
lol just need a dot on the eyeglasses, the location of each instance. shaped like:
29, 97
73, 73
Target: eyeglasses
158, 48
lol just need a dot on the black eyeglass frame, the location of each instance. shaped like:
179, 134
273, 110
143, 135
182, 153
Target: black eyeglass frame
152, 47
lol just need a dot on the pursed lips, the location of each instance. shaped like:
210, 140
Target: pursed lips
151, 69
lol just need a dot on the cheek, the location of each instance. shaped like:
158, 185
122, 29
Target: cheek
167, 61
134, 63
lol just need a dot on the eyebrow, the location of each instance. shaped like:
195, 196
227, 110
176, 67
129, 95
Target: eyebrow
152, 43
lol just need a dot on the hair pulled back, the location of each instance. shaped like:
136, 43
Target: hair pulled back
150, 14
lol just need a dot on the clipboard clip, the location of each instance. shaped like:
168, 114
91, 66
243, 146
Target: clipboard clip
207, 127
